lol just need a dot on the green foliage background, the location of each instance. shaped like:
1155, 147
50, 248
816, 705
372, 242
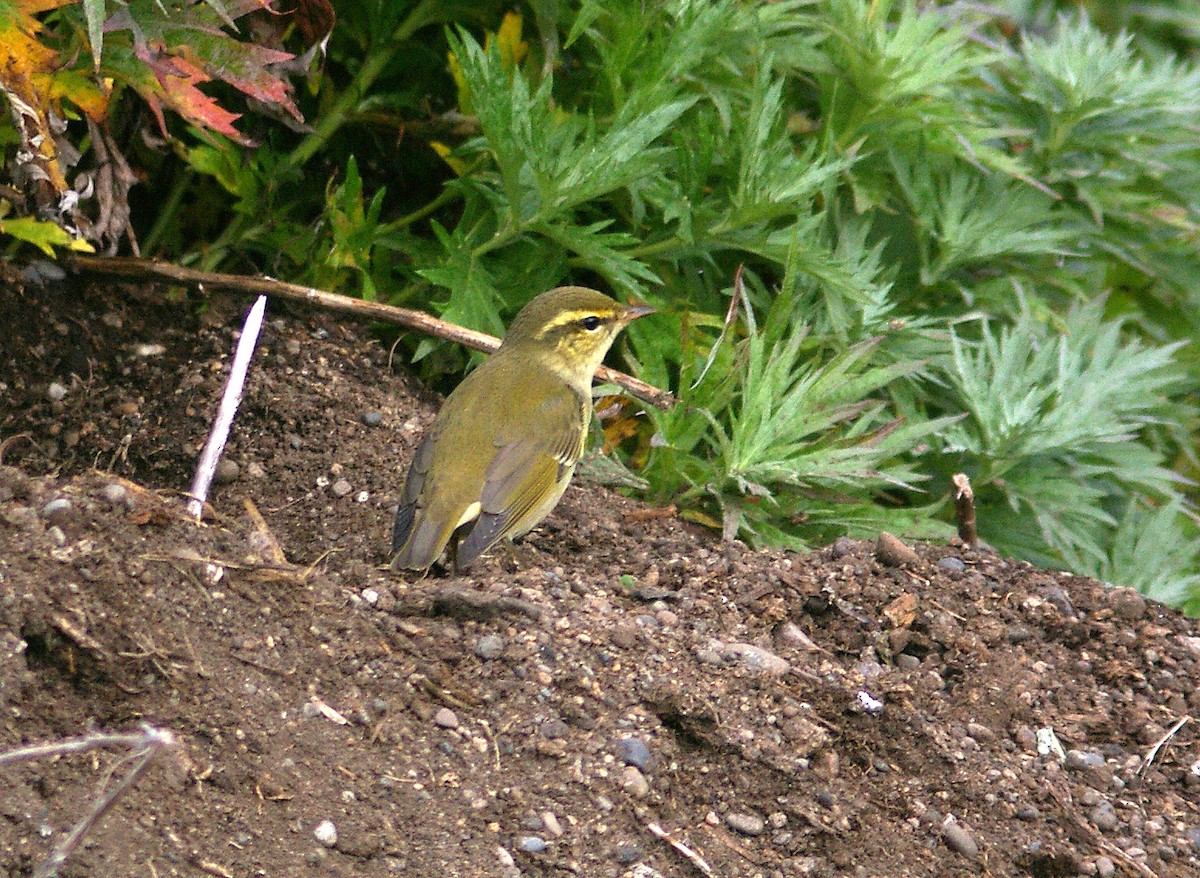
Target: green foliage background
969, 231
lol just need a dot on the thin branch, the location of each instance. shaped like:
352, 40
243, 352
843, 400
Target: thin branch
696, 860
146, 744
1152, 754
226, 411
148, 269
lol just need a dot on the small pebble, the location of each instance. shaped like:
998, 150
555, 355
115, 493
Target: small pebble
553, 729
326, 833
635, 752
746, 824
791, 634
634, 782
960, 841
56, 391
532, 844
227, 472
952, 563
57, 510
114, 494
550, 821
1193, 837
755, 658
892, 552
1082, 760
1105, 817
56, 535
1126, 603
372, 419
1105, 868
627, 854
906, 662
489, 646
446, 718
1028, 812
341, 488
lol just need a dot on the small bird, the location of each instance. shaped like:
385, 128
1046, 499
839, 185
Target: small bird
502, 449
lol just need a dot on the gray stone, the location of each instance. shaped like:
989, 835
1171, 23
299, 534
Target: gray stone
635, 752
1105, 868
58, 510
227, 472
489, 646
960, 841
446, 718
532, 844
746, 824
372, 419
56, 392
755, 659
953, 564
1105, 817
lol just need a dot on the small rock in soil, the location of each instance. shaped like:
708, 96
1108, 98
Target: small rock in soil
1127, 604
746, 824
489, 646
891, 552
1105, 817
372, 419
553, 729
960, 841
532, 844
634, 782
114, 494
635, 752
1105, 868
952, 563
446, 718
341, 488
56, 392
326, 833
227, 472
627, 854
58, 510
755, 658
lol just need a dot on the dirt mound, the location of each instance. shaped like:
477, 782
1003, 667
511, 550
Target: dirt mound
615, 677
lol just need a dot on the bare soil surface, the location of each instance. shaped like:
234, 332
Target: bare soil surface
616, 676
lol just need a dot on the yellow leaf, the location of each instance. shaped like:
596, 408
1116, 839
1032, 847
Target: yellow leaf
458, 165
512, 48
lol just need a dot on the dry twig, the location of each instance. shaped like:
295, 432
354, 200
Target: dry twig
696, 860
1152, 753
149, 269
146, 745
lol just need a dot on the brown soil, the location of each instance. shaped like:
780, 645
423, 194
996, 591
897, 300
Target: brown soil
824, 715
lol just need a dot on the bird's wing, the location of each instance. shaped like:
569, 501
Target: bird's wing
529, 467
416, 546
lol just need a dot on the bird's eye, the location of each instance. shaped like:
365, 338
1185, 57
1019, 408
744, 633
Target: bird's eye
591, 323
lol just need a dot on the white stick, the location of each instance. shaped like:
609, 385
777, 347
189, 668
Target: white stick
226, 411
146, 745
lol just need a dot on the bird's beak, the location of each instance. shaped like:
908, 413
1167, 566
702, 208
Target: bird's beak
632, 312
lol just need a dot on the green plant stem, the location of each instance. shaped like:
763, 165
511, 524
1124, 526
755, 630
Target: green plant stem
169, 210
377, 59
396, 225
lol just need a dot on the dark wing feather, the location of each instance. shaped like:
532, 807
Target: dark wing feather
404, 546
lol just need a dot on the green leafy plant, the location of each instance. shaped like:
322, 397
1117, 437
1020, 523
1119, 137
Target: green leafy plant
969, 238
